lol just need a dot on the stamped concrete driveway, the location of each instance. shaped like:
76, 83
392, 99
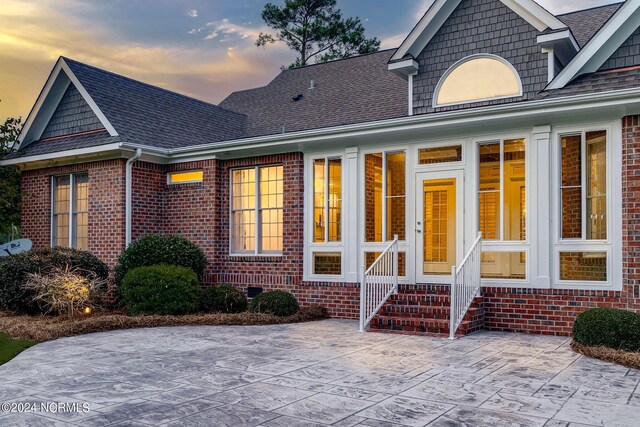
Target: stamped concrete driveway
316, 374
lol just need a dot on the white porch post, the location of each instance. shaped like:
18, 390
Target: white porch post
350, 217
539, 215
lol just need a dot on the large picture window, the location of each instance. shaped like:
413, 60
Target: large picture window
256, 210
385, 196
70, 213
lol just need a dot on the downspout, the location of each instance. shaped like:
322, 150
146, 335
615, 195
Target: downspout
128, 193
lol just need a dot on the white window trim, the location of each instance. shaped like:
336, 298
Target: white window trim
170, 174
258, 235
312, 247
72, 221
443, 165
504, 245
457, 64
613, 244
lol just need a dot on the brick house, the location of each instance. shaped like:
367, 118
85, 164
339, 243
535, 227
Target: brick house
493, 116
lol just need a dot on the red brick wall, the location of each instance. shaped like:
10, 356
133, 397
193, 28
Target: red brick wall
273, 271
191, 210
106, 206
147, 199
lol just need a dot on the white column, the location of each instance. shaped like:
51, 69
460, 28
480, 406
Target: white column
351, 214
539, 215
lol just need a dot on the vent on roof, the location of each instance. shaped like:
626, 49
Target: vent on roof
298, 97
312, 85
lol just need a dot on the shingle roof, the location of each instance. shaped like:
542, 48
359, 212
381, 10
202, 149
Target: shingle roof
148, 115
65, 143
354, 90
602, 81
584, 24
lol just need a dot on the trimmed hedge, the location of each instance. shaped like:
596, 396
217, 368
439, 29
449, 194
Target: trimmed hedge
608, 327
15, 269
223, 299
161, 289
161, 250
279, 303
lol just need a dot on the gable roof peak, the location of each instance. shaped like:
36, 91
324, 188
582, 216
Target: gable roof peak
440, 10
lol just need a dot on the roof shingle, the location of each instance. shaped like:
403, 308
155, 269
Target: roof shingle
584, 24
149, 115
347, 91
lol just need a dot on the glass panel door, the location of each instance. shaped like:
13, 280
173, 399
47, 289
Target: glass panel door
439, 222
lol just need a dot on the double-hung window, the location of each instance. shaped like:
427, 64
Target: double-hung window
327, 216
256, 210
70, 211
584, 216
502, 209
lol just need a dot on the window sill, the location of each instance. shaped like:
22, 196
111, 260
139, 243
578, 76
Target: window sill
255, 257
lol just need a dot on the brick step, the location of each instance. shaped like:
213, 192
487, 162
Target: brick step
417, 325
425, 301
422, 312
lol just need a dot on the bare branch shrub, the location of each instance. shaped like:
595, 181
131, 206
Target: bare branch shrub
65, 291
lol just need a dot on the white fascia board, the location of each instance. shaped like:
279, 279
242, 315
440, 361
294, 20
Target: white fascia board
404, 68
62, 154
426, 28
551, 39
534, 14
602, 45
451, 118
52, 86
103, 119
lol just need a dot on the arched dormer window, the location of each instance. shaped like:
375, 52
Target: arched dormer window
477, 78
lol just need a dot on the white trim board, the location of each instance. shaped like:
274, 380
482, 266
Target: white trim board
440, 11
602, 45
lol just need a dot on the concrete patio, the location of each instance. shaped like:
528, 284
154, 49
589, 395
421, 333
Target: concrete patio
317, 374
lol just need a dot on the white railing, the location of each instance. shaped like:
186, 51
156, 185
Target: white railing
465, 285
379, 282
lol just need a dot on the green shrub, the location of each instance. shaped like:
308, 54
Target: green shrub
160, 250
15, 271
608, 327
279, 303
161, 289
223, 299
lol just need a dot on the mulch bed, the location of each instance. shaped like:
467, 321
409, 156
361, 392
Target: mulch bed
43, 328
625, 358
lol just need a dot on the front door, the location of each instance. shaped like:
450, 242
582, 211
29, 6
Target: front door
439, 222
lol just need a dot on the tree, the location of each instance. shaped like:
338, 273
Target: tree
316, 30
9, 178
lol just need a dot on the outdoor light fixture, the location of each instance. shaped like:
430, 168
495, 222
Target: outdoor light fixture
87, 311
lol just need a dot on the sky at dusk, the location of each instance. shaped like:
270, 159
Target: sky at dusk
202, 48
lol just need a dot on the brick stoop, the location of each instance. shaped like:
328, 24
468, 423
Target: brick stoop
424, 310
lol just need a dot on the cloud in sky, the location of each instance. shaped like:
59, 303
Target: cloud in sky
205, 49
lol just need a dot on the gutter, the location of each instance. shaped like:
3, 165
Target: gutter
407, 123
423, 121
128, 194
